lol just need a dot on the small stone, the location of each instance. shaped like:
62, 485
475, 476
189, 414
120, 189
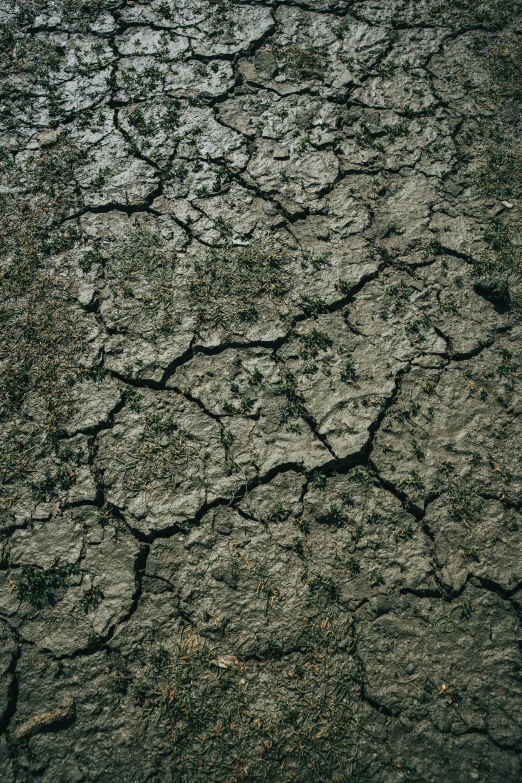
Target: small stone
225, 661
265, 62
86, 294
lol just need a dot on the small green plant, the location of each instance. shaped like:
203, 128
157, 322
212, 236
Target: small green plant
90, 258
322, 585
464, 505
165, 10
505, 367
349, 372
303, 524
414, 482
243, 407
417, 450
93, 372
160, 659
341, 29
61, 479
428, 690
138, 121
359, 476
313, 342
313, 306
256, 377
376, 578
248, 314
334, 516
471, 555
278, 514
319, 479
295, 405
37, 586
274, 650
354, 567
414, 408
396, 131
226, 437
347, 499
344, 287
406, 532
104, 514
121, 684
466, 609
91, 598
433, 248
171, 119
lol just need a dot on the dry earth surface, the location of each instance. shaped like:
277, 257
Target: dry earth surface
260, 391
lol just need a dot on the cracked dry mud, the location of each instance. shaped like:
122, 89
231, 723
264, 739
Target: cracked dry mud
260, 391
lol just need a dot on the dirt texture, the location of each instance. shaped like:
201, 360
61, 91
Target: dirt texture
260, 391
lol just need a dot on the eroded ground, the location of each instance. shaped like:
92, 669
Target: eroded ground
261, 467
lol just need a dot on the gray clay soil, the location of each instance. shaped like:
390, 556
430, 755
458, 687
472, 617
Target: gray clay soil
260, 391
